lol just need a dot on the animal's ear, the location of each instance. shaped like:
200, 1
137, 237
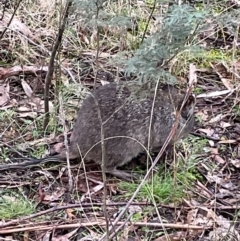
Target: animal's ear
188, 108
191, 100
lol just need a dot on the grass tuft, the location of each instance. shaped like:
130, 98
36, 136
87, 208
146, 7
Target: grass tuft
14, 207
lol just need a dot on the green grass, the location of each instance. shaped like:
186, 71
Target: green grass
158, 188
202, 58
6, 116
14, 206
168, 186
4, 153
205, 58
236, 109
38, 151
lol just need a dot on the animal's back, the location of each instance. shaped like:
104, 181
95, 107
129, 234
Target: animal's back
128, 117
126, 113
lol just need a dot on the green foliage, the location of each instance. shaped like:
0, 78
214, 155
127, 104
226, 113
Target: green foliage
236, 109
158, 188
14, 207
229, 20
179, 26
38, 151
205, 58
93, 13
177, 32
6, 115
169, 186
4, 153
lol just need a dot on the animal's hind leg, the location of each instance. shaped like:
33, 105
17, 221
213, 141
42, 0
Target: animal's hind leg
120, 174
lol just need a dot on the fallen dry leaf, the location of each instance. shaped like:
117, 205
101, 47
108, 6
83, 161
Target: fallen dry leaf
235, 162
216, 157
200, 188
16, 70
104, 82
66, 237
197, 217
221, 181
47, 236
15, 25
6, 107
224, 124
134, 209
70, 214
208, 131
41, 194
27, 89
224, 73
227, 141
98, 187
202, 114
32, 115
224, 230
191, 216
216, 118
211, 143
51, 106
213, 94
54, 196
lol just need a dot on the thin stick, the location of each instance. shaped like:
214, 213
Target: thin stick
51, 63
14, 12
170, 136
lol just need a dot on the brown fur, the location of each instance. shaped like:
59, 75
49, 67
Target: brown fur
126, 114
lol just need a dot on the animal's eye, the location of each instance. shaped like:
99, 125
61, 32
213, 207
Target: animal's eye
190, 105
188, 108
